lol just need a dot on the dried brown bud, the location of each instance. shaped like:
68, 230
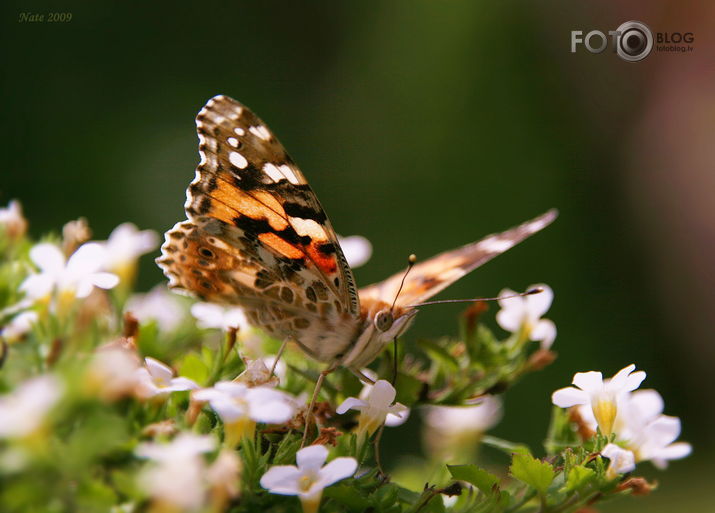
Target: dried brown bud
74, 234
328, 436
164, 428
637, 485
540, 359
584, 430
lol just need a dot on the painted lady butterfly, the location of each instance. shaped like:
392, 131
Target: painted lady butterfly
257, 237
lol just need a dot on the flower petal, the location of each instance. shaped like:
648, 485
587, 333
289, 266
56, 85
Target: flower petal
591, 382
545, 331
619, 379
569, 396
105, 280
48, 257
158, 370
357, 249
338, 469
282, 479
382, 394
351, 403
538, 304
311, 457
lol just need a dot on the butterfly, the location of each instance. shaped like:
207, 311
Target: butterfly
257, 237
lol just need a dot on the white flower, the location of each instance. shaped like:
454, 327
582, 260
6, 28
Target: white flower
160, 305
655, 442
473, 419
124, 247
184, 446
622, 460
19, 326
12, 220
392, 419
210, 315
156, 379
72, 278
523, 314
375, 407
356, 248
112, 373
308, 479
453, 432
176, 478
603, 397
223, 475
240, 407
24, 410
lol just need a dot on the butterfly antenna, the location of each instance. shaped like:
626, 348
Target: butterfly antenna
530, 292
411, 260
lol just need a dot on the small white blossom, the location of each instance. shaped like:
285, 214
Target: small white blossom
156, 379
356, 248
11, 219
73, 277
160, 305
522, 314
222, 477
454, 420
19, 326
210, 315
308, 479
603, 397
452, 432
124, 247
240, 407
655, 442
24, 410
622, 460
112, 373
392, 419
375, 407
176, 478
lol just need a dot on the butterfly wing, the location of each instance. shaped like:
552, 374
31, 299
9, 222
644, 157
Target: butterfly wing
434, 275
257, 236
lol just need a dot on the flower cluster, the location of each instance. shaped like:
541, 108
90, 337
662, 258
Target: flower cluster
118, 401
635, 417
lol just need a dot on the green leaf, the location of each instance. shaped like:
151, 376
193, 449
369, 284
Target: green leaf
193, 367
439, 354
472, 474
579, 477
347, 496
536, 473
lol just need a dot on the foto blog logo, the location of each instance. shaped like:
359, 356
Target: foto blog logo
633, 41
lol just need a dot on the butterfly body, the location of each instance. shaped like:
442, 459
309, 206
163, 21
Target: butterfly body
256, 236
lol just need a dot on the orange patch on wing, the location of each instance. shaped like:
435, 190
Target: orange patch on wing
251, 207
326, 263
279, 245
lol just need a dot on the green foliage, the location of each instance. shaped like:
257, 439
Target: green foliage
535, 473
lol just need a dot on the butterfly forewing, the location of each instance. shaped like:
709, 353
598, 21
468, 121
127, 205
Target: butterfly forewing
258, 237
434, 275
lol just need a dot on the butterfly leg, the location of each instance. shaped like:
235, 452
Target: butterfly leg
313, 400
361, 376
278, 357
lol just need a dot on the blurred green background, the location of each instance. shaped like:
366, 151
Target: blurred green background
422, 125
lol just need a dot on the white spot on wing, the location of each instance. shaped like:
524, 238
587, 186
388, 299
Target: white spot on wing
273, 172
233, 142
308, 227
237, 160
289, 174
261, 132
239, 131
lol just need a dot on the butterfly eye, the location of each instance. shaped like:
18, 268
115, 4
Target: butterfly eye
383, 320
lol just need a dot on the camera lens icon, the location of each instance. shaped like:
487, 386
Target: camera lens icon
635, 41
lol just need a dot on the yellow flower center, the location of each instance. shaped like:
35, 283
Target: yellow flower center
604, 409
